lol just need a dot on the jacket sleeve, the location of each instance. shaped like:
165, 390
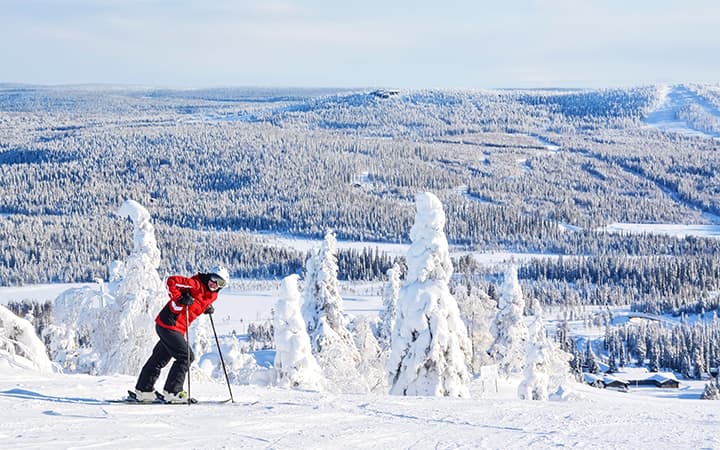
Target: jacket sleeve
177, 286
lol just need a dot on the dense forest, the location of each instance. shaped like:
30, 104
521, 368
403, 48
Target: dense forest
539, 172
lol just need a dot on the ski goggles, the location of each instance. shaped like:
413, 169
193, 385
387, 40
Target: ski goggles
219, 281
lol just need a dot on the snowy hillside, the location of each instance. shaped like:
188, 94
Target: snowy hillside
68, 411
682, 109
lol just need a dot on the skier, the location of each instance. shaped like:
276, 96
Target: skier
189, 297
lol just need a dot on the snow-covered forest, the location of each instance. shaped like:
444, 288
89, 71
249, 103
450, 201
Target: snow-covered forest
538, 172
526, 171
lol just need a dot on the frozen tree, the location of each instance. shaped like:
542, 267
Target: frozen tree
20, 345
371, 368
590, 359
478, 311
295, 365
430, 347
332, 343
547, 372
711, 391
113, 332
138, 295
391, 292
72, 333
201, 336
509, 328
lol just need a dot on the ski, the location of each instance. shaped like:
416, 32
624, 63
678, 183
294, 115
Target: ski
159, 402
161, 398
132, 399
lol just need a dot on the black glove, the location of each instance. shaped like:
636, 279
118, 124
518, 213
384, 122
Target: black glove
209, 310
186, 299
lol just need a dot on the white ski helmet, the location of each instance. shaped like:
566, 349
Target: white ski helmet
221, 272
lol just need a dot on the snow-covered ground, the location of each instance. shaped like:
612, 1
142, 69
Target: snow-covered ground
67, 411
673, 100
679, 231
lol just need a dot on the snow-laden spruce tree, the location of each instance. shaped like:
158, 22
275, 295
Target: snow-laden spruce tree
332, 343
371, 366
391, 293
295, 365
116, 328
509, 327
711, 391
139, 295
478, 311
547, 368
430, 346
19, 345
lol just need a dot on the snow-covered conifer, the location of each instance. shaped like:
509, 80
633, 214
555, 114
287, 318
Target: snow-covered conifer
332, 343
20, 345
509, 328
138, 295
430, 346
391, 293
371, 368
478, 311
711, 391
117, 327
547, 372
295, 365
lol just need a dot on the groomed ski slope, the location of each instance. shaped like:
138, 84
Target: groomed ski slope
62, 411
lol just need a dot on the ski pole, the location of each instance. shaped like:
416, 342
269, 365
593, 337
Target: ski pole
227, 379
187, 347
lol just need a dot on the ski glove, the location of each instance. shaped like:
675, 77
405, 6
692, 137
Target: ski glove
186, 299
209, 310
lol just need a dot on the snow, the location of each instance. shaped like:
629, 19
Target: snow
430, 346
673, 100
19, 345
679, 231
66, 411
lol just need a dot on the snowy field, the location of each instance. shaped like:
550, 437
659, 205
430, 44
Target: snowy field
68, 412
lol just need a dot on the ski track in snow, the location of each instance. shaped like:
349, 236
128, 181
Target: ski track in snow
58, 411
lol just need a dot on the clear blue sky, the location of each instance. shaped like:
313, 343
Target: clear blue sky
340, 43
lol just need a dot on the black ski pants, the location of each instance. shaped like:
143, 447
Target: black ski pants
172, 344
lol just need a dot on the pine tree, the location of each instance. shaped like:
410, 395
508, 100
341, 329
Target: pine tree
138, 296
388, 315
295, 365
430, 346
509, 328
114, 329
332, 343
591, 360
371, 367
546, 372
20, 345
711, 391
478, 311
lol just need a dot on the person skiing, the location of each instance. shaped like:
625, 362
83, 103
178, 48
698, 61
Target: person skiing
189, 297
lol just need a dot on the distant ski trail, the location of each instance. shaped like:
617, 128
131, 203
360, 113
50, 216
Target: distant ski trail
674, 99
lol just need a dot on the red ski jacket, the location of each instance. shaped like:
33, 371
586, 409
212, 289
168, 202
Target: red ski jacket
172, 316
